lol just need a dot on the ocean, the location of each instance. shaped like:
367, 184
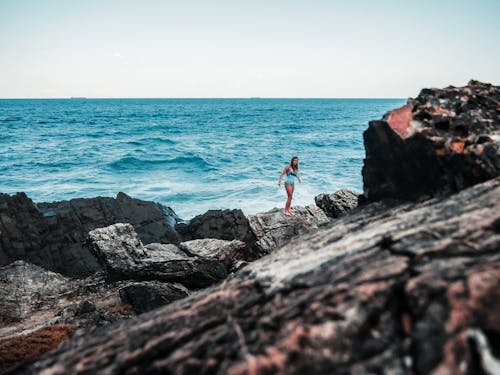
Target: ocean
189, 154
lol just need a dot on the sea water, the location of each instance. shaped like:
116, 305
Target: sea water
189, 154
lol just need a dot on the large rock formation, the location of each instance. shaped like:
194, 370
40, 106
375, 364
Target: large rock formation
441, 142
52, 235
407, 289
273, 228
124, 257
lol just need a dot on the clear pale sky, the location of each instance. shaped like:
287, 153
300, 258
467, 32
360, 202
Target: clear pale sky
231, 48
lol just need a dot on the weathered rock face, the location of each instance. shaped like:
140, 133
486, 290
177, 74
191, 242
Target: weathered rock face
273, 228
52, 235
24, 287
230, 253
32, 297
338, 203
385, 289
124, 257
439, 143
220, 224
148, 295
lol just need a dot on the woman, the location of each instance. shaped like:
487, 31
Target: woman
292, 172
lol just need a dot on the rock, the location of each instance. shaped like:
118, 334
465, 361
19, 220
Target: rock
229, 253
52, 235
163, 251
25, 287
439, 143
338, 203
148, 295
385, 289
220, 224
273, 228
32, 297
124, 257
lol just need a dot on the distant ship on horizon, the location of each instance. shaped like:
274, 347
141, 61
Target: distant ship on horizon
78, 97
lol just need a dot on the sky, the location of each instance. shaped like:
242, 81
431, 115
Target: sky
253, 48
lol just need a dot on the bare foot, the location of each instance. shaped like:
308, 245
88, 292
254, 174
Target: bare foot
288, 213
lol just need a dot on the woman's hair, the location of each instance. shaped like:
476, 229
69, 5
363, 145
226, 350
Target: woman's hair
291, 163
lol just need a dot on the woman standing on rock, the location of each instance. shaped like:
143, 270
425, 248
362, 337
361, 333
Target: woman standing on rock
292, 172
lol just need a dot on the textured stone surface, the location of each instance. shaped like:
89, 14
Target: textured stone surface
52, 234
440, 142
148, 295
273, 228
124, 257
387, 289
338, 203
229, 253
32, 297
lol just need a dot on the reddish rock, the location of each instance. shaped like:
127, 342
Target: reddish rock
439, 143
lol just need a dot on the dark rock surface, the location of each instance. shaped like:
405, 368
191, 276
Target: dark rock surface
273, 228
124, 257
148, 295
439, 143
52, 235
220, 224
338, 203
385, 289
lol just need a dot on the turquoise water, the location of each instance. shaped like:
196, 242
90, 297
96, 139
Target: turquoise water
189, 154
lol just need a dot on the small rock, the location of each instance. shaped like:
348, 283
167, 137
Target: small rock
148, 295
338, 203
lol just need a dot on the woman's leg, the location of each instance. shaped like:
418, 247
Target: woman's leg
289, 192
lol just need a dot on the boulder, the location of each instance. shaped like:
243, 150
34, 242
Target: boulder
438, 143
412, 288
52, 235
124, 257
273, 228
229, 253
338, 203
220, 224
148, 295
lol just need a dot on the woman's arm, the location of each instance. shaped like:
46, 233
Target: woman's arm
298, 178
281, 175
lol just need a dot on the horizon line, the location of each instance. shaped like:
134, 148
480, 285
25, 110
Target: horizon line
198, 98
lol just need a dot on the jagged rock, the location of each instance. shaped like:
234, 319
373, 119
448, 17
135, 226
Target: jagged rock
338, 203
124, 257
385, 289
273, 228
148, 295
52, 234
229, 253
220, 224
441, 142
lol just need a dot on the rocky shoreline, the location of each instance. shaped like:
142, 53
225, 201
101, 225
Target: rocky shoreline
401, 279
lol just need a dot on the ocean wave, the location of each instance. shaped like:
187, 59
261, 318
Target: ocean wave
10, 119
131, 162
